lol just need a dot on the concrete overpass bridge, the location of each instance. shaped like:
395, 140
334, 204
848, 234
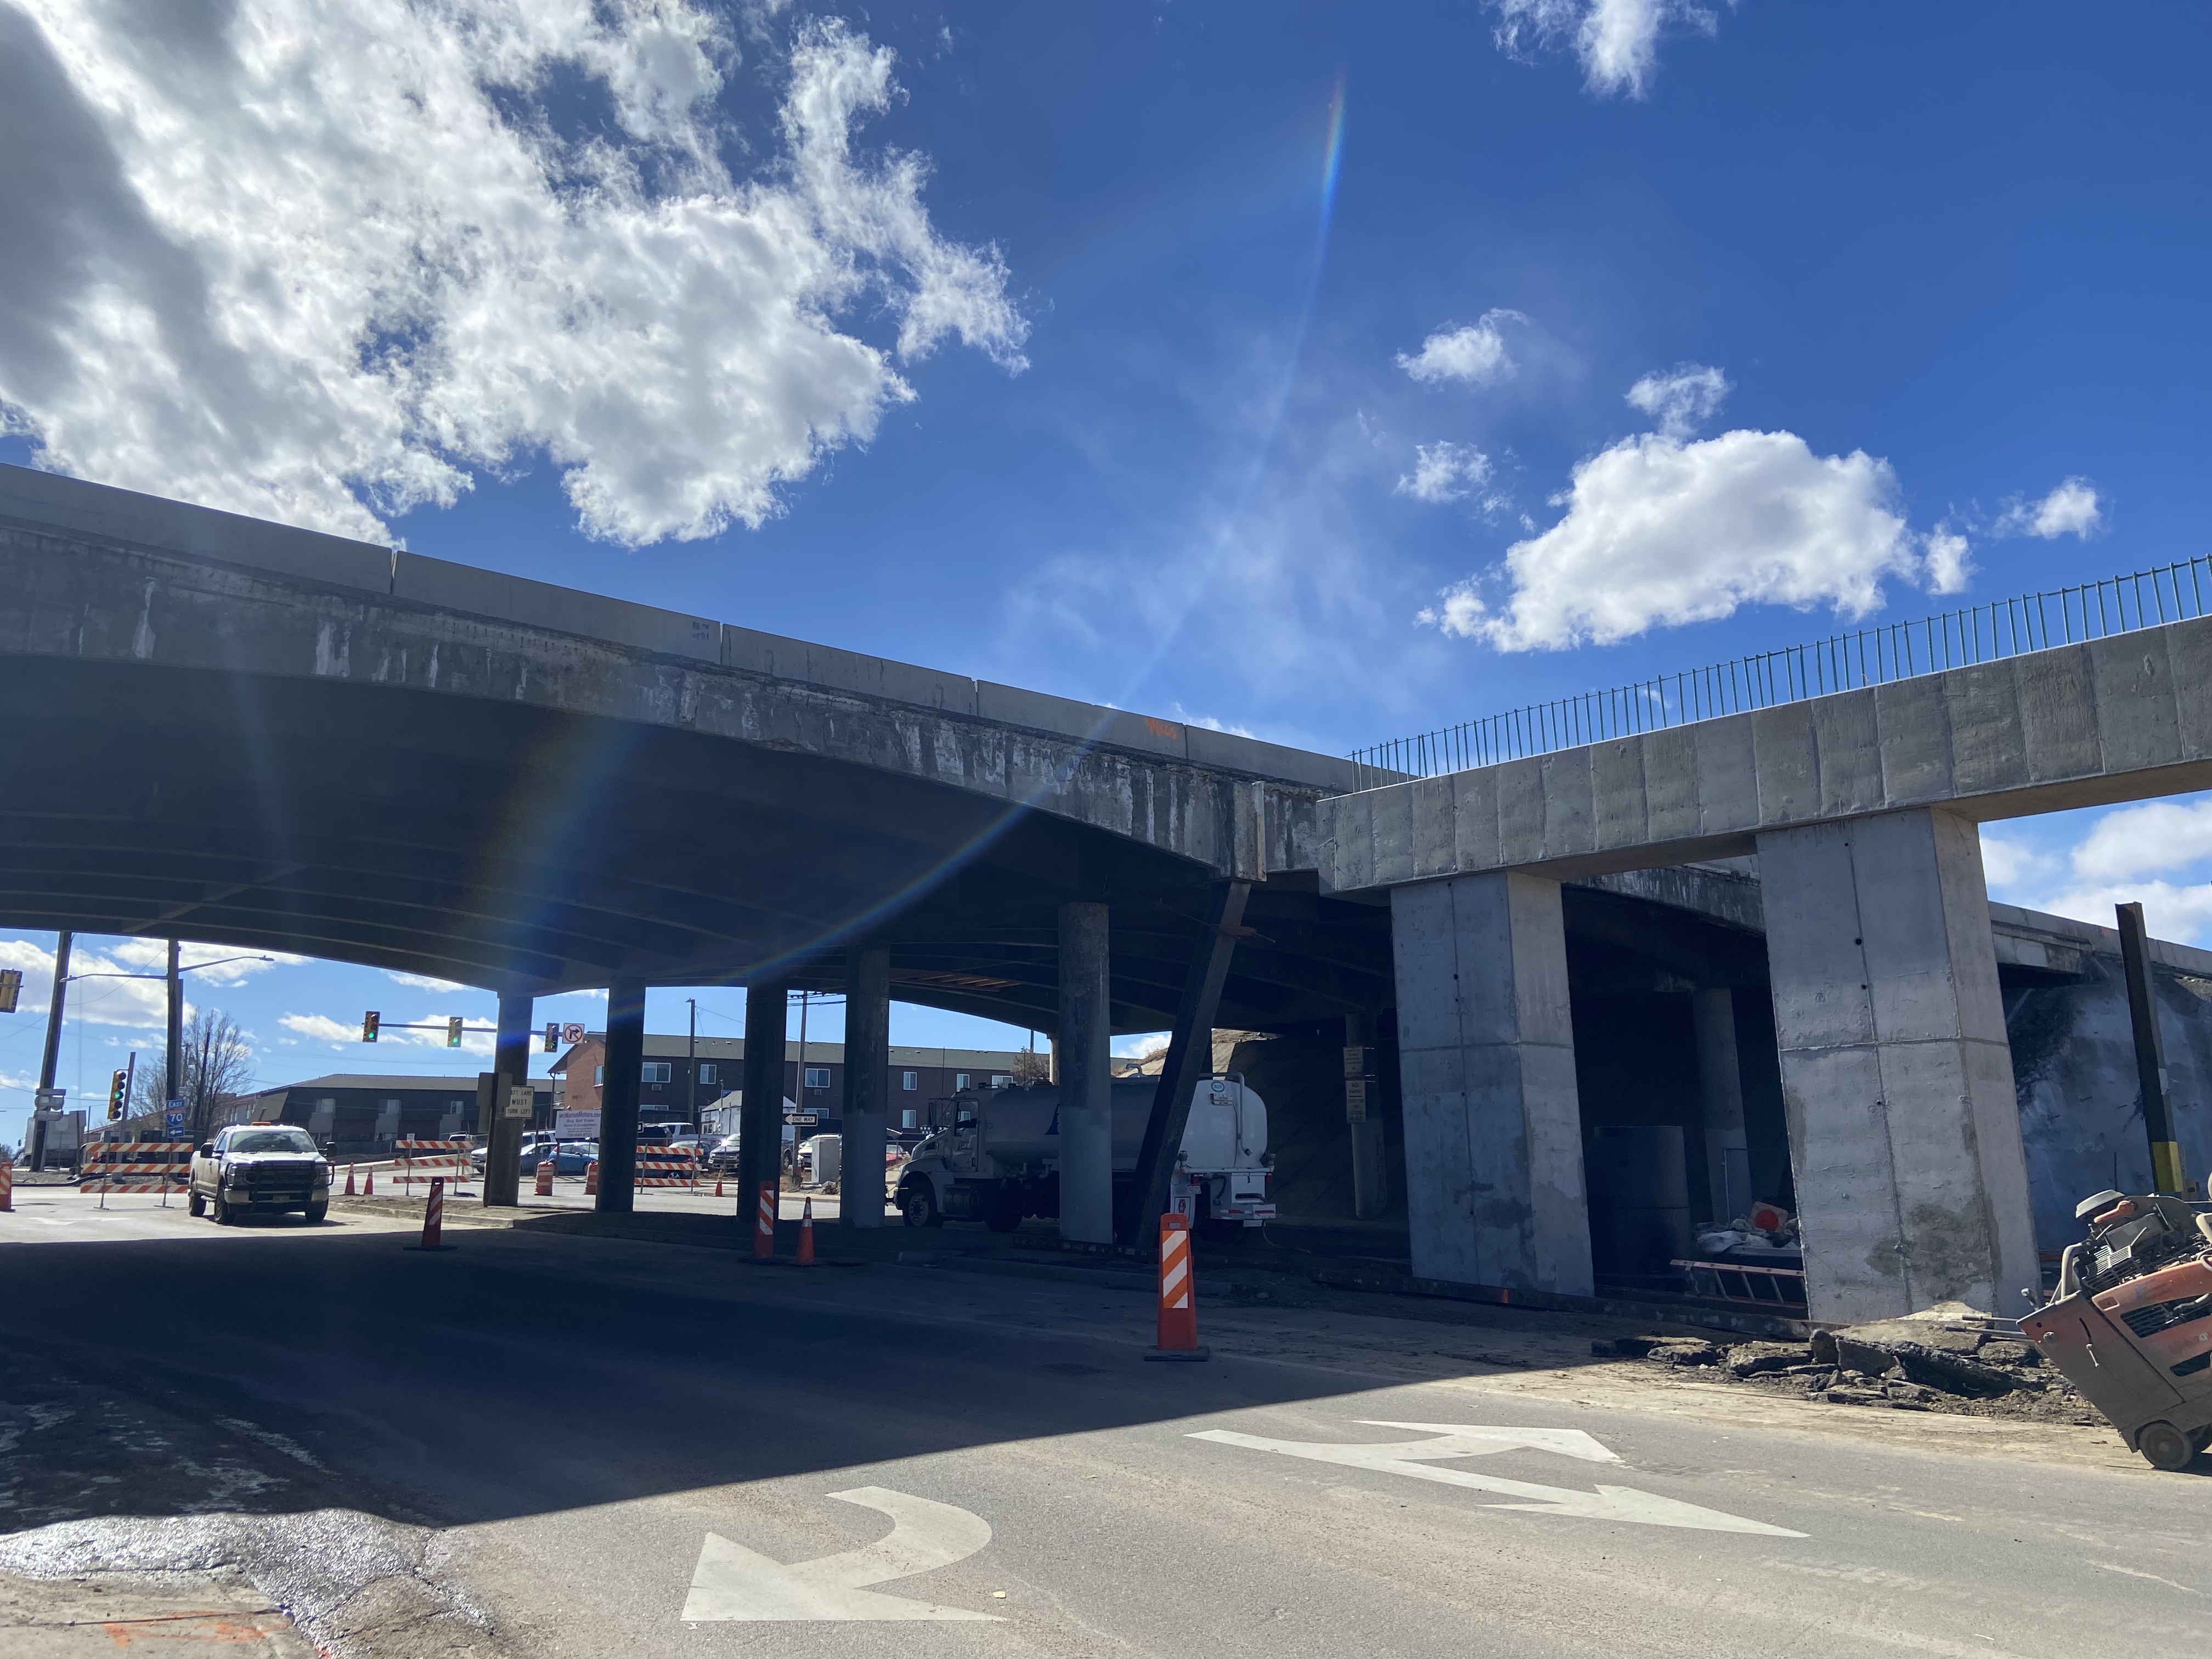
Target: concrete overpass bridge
254, 735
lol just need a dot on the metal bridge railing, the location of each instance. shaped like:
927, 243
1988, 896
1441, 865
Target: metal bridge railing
1842, 662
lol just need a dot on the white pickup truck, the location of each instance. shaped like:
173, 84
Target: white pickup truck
258, 1168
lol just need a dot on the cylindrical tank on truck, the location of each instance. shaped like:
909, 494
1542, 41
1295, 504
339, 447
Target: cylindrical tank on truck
998, 1160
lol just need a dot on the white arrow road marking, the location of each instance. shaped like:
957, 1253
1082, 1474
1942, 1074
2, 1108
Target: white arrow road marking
733, 1582
1466, 1440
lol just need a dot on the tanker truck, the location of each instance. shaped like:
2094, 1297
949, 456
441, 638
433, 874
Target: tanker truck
998, 1159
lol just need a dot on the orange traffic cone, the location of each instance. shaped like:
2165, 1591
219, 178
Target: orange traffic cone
368, 1184
718, 1186
592, 1179
545, 1177
348, 1191
806, 1235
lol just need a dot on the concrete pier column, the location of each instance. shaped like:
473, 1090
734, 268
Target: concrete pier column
620, 1077
1083, 1050
502, 1177
1362, 1115
1720, 1092
867, 1085
1486, 1067
1904, 1140
760, 1116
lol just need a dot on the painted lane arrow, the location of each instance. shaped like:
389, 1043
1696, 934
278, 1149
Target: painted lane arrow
733, 1584
1412, 1457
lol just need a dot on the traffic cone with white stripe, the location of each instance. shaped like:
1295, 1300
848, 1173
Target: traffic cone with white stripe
806, 1235
434, 1218
718, 1186
348, 1191
545, 1177
592, 1179
1177, 1336
368, 1182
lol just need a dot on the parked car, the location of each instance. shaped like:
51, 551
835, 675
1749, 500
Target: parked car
721, 1154
571, 1155
258, 1168
531, 1142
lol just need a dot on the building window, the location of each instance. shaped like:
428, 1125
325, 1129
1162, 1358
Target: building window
962, 1080
909, 1081
656, 1071
707, 1075
1001, 1080
818, 1076
909, 1117
599, 1077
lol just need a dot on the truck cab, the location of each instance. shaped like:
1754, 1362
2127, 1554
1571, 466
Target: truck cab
258, 1168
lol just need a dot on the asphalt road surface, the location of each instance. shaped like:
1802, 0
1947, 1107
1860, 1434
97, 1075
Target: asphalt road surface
569, 1446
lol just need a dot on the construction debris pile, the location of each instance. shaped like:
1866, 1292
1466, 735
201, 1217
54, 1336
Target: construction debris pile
1949, 1358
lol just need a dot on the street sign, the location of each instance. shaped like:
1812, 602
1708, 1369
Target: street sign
802, 1118
172, 1123
48, 1100
521, 1100
572, 1032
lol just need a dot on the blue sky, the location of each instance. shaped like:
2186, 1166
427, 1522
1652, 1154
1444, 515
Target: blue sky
1329, 372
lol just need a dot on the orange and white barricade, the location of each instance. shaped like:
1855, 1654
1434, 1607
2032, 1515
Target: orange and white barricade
7, 1183
1177, 1331
135, 1166
431, 1158
666, 1169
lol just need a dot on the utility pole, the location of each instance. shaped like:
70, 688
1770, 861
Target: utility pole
2167, 1175
691, 1065
43, 1101
172, 1081
805, 997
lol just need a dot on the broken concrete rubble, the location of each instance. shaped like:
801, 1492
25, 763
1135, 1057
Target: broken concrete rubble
1948, 1360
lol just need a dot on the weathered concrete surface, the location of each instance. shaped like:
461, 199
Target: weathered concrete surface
104, 574
2074, 1062
2118, 719
1487, 1057
1897, 1078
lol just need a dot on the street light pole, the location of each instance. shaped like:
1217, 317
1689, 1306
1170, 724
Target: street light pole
55, 1005
691, 1065
172, 1081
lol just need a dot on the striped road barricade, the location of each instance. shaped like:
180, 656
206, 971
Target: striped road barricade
137, 1166
667, 1170
431, 1158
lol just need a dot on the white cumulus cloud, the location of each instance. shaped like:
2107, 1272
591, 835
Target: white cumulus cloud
2072, 509
2158, 853
320, 263
1474, 354
1682, 399
1445, 472
1661, 530
1616, 41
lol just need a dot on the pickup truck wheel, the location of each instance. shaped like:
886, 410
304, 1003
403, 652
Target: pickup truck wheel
224, 1215
317, 1212
195, 1204
920, 1206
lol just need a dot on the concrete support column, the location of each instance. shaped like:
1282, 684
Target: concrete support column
867, 1085
1083, 1050
1486, 1066
1720, 1090
618, 1087
760, 1116
1362, 1114
502, 1178
1896, 1075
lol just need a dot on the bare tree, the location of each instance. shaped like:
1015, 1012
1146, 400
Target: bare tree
214, 1064
1031, 1068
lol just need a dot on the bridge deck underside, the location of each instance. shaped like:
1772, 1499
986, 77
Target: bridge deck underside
502, 844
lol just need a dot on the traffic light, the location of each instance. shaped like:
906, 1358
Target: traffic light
552, 1036
453, 1032
116, 1085
11, 987
368, 1026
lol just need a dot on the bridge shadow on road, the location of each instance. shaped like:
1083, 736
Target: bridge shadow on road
280, 1370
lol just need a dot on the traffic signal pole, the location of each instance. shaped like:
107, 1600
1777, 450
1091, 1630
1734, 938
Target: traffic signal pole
173, 1080
54, 1006
502, 1179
